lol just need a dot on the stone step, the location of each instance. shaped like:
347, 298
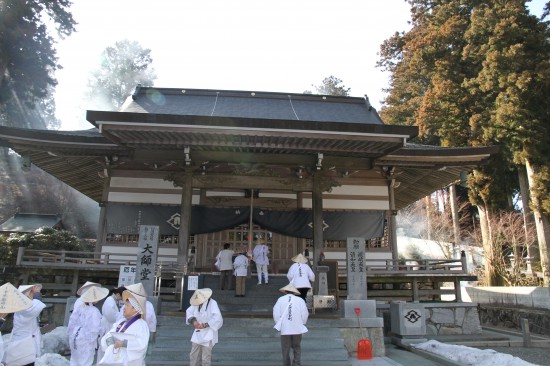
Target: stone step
268, 354
249, 341
259, 299
244, 332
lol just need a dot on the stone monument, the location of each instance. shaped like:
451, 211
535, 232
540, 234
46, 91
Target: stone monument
357, 281
147, 257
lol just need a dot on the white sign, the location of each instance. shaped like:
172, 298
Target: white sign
192, 283
126, 276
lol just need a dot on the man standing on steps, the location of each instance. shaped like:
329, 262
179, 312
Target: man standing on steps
301, 275
205, 316
290, 315
225, 257
241, 270
260, 255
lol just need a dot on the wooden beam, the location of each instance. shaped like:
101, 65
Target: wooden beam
292, 160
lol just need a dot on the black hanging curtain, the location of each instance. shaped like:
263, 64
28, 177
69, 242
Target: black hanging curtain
125, 219
336, 225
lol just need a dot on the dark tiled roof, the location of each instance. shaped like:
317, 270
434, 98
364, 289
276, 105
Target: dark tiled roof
28, 223
248, 104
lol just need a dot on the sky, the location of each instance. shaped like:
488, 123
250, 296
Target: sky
255, 45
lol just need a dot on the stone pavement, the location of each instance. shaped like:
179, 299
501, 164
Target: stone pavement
248, 337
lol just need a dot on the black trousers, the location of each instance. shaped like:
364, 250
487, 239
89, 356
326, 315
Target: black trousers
303, 293
225, 279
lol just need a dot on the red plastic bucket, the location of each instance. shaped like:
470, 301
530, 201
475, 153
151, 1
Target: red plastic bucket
364, 350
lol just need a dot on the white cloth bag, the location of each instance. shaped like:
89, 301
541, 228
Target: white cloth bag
20, 352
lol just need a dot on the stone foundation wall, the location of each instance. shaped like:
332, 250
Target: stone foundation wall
442, 318
510, 317
506, 306
455, 319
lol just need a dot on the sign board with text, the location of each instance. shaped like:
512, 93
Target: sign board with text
357, 275
147, 257
126, 276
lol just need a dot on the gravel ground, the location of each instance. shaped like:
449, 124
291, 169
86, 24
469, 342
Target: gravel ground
536, 355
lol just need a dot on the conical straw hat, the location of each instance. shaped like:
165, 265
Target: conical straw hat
24, 288
137, 289
289, 288
95, 294
86, 286
299, 258
200, 296
136, 292
12, 300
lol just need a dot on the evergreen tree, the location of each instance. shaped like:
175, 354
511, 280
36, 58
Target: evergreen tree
28, 58
475, 73
123, 66
330, 85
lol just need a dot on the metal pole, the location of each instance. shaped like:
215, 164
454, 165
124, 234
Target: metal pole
250, 222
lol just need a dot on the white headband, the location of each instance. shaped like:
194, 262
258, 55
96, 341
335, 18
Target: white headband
135, 304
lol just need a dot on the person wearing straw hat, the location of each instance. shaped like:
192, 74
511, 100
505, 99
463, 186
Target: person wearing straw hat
150, 315
301, 275
25, 322
261, 258
110, 312
290, 315
205, 316
79, 304
84, 328
131, 335
11, 301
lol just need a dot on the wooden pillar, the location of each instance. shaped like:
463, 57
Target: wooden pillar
415, 289
391, 214
458, 290
74, 283
101, 231
454, 215
185, 219
317, 205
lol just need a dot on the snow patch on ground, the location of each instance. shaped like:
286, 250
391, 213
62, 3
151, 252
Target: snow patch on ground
471, 356
51, 359
56, 341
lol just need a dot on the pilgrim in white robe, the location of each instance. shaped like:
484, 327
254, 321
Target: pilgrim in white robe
25, 324
84, 331
210, 313
137, 336
290, 315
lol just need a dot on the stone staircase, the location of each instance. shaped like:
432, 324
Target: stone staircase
259, 299
247, 336
258, 302
247, 341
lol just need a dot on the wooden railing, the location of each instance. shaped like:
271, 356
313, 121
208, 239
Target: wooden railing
412, 279
78, 259
107, 260
427, 266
